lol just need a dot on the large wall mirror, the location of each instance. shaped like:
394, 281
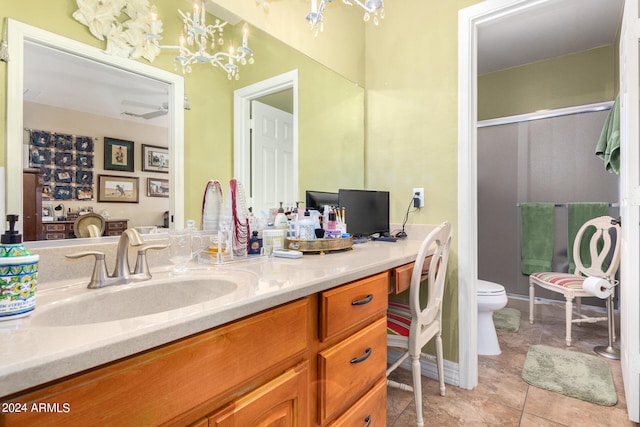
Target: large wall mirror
329, 115
112, 101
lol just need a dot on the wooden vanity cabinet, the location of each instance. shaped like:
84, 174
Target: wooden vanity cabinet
316, 361
279, 403
369, 411
180, 382
352, 353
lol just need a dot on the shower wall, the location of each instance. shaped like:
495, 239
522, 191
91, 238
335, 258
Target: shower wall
545, 160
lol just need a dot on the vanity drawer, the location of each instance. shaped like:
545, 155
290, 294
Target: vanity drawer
349, 368
401, 278
369, 411
346, 306
115, 228
55, 227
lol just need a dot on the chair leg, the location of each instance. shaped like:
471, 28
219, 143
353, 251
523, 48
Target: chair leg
569, 318
532, 299
417, 388
440, 363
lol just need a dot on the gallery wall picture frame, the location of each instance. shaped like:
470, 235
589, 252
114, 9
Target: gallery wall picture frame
157, 187
119, 189
155, 159
118, 155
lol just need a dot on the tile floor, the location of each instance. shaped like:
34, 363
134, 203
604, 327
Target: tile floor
502, 398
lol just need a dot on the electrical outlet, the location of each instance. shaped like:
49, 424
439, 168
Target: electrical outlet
419, 193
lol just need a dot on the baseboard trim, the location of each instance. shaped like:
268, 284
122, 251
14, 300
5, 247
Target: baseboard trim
428, 368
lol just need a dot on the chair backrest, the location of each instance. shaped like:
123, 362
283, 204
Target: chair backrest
93, 230
603, 247
436, 244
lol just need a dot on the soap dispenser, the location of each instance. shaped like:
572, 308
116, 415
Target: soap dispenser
18, 274
281, 220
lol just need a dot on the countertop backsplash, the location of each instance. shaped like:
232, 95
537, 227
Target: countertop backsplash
54, 267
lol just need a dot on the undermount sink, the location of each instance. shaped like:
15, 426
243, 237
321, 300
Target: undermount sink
129, 301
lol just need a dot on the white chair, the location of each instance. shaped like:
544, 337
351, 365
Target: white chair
604, 250
409, 326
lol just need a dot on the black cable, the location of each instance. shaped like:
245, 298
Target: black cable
402, 234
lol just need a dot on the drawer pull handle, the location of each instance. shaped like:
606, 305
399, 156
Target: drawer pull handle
364, 357
367, 421
363, 301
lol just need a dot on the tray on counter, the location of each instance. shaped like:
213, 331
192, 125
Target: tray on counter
319, 245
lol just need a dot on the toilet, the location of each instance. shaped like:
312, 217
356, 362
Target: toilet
491, 297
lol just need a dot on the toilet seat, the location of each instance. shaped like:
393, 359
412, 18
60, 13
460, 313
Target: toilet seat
490, 288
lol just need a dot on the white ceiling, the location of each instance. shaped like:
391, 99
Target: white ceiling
558, 27
63, 80
554, 28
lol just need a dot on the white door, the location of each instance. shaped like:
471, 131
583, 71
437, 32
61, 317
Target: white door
630, 207
273, 179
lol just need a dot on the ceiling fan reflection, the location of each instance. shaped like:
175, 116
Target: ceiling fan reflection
156, 111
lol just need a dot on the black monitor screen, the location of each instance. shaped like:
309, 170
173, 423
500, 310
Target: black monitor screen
366, 212
317, 199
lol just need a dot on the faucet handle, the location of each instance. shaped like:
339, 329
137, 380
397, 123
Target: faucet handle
99, 275
142, 266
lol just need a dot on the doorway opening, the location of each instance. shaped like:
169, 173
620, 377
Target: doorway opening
243, 160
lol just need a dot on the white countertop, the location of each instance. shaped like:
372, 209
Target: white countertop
31, 355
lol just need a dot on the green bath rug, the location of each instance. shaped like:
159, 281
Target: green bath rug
571, 373
507, 319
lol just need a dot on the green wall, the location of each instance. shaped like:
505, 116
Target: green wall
577, 79
412, 121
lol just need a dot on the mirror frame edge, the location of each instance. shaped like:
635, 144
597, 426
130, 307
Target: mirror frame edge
18, 33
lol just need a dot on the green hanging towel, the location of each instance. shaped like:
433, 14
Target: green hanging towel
608, 148
579, 213
536, 237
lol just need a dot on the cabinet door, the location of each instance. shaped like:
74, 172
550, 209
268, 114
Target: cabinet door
282, 402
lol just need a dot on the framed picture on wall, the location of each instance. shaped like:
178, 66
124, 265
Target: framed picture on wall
118, 154
157, 187
123, 189
155, 159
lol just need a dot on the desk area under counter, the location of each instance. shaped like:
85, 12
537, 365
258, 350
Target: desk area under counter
286, 338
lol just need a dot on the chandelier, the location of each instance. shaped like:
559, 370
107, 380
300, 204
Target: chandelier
370, 7
198, 36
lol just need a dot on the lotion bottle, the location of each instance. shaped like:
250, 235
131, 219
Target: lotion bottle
281, 220
18, 274
306, 229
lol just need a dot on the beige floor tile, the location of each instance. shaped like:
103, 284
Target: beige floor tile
502, 398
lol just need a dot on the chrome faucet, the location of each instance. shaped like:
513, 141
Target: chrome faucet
129, 237
122, 273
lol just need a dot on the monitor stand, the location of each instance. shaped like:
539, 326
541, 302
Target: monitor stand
360, 239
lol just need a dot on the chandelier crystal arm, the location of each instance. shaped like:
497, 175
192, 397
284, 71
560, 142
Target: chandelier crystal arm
370, 7
198, 36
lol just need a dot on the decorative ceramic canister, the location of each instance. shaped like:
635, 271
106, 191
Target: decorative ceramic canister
18, 274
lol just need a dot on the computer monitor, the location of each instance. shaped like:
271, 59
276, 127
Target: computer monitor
317, 199
366, 211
